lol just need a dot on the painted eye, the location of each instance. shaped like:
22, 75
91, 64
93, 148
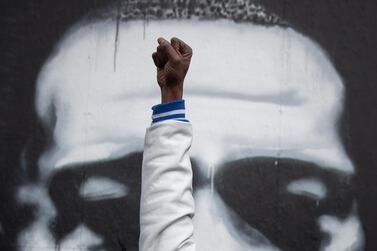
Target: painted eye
100, 188
311, 188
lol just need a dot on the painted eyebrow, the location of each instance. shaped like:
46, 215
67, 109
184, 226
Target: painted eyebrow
287, 98
289, 170
115, 169
298, 165
120, 177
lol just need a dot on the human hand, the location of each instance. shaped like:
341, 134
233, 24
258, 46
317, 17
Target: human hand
172, 61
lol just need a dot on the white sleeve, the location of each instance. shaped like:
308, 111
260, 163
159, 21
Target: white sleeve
167, 204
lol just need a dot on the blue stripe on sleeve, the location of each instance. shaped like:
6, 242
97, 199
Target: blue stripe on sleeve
169, 106
170, 110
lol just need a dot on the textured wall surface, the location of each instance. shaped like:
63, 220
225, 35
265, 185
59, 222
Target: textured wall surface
281, 95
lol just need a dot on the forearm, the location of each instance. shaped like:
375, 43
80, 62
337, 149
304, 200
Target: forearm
167, 205
170, 94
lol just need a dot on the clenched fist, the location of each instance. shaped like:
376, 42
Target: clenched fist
172, 61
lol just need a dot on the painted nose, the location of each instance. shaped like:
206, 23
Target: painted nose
82, 238
216, 227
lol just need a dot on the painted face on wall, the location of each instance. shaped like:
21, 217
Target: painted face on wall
270, 169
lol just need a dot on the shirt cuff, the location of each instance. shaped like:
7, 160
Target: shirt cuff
171, 110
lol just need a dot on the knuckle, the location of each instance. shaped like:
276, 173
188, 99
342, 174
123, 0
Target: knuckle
176, 61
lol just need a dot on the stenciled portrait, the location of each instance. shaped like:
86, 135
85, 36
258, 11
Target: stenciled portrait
271, 169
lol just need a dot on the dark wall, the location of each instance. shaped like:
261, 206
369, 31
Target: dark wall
29, 30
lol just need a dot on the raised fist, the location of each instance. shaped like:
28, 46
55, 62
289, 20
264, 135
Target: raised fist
172, 61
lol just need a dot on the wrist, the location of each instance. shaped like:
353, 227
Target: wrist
171, 93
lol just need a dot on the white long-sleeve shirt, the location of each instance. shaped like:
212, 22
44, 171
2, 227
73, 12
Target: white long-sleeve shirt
167, 204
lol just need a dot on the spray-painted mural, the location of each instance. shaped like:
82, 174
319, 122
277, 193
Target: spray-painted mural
270, 110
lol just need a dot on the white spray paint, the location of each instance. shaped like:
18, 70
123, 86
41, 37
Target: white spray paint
99, 188
251, 91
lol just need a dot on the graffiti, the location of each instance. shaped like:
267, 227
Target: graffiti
271, 171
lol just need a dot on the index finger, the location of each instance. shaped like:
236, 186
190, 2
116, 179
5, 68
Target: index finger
172, 54
183, 47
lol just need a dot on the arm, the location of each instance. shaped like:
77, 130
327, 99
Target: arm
167, 205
